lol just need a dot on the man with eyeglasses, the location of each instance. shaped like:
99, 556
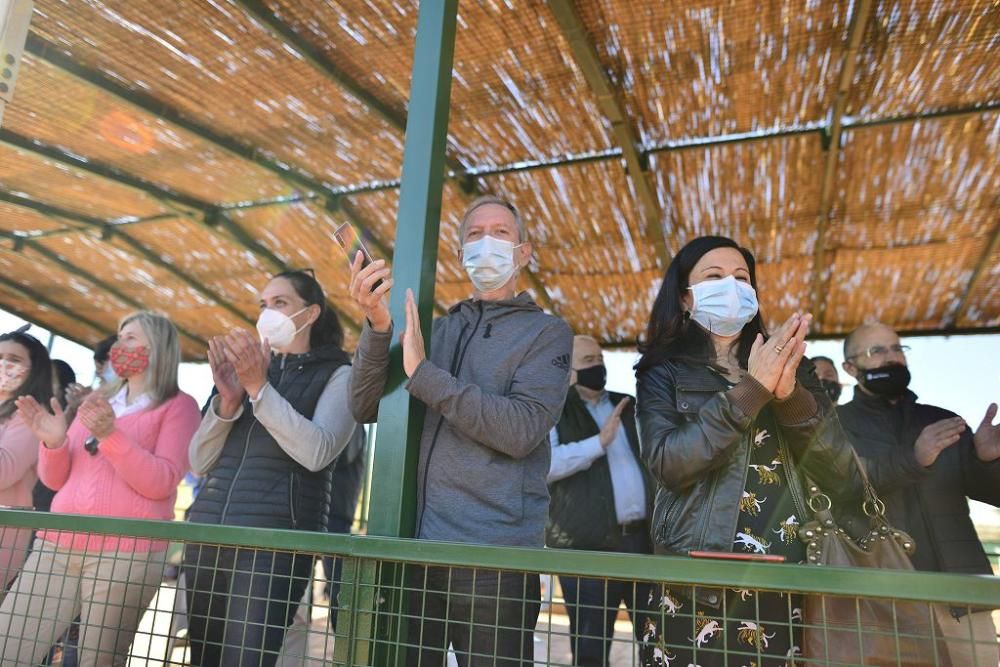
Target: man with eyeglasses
925, 461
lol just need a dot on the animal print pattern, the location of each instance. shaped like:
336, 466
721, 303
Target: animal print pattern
748, 628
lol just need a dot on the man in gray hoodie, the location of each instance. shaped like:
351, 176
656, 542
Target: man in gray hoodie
494, 385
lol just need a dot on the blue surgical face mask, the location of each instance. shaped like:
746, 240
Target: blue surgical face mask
489, 262
723, 306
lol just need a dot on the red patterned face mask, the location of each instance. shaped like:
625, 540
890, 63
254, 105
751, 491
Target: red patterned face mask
128, 362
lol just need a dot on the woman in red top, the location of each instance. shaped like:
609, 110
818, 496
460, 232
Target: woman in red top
123, 456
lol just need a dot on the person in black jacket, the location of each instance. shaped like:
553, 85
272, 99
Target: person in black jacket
924, 461
265, 447
731, 422
601, 499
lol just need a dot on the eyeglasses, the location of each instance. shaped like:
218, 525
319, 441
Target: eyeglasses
881, 351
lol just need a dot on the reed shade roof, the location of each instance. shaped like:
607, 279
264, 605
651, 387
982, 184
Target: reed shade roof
174, 155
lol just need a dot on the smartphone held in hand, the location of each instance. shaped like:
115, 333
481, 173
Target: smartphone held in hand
350, 241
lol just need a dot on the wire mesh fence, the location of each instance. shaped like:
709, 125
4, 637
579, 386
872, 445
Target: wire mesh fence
238, 596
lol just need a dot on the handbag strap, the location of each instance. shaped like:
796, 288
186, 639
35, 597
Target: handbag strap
872, 505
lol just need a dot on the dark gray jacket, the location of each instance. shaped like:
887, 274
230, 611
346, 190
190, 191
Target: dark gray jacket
253, 480
494, 385
929, 503
695, 439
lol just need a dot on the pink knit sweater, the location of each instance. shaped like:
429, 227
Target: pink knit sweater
18, 455
134, 474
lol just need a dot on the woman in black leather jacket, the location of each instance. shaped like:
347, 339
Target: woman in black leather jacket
731, 422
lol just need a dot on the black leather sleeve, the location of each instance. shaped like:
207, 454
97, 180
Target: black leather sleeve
821, 447
682, 445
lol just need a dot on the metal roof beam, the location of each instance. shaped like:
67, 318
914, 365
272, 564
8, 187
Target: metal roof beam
283, 32
992, 246
40, 299
135, 246
321, 62
609, 154
54, 56
103, 285
97, 168
164, 196
859, 21
57, 57
43, 322
589, 62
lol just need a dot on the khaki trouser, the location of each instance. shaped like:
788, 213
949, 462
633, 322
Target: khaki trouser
962, 634
109, 591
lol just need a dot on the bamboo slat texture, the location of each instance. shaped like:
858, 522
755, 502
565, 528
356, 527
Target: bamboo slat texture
154, 119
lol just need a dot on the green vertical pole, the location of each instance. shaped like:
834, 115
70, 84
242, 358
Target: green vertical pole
414, 263
378, 638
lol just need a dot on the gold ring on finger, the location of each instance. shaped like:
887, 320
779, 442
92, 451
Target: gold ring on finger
778, 349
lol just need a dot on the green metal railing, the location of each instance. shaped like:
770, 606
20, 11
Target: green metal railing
383, 576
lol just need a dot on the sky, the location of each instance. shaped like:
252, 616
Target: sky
960, 373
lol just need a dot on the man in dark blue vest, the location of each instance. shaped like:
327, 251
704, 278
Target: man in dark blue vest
601, 500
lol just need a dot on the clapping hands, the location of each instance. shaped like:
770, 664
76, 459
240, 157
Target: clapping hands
774, 363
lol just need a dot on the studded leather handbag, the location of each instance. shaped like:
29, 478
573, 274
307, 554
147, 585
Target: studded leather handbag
863, 630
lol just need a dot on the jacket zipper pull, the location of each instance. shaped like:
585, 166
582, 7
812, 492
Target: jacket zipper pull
489, 328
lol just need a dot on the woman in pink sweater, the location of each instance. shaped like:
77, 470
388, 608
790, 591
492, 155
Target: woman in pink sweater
123, 456
25, 370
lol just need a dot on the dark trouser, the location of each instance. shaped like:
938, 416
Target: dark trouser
487, 616
240, 602
592, 605
333, 567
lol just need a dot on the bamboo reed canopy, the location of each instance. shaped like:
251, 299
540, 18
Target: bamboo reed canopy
172, 155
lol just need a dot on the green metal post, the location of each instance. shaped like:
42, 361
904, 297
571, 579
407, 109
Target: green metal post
379, 637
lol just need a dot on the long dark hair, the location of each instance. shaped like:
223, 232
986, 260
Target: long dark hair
326, 330
38, 384
670, 333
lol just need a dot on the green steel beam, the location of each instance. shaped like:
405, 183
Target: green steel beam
589, 62
44, 321
820, 273
135, 246
86, 276
54, 56
321, 62
990, 249
57, 57
40, 299
97, 168
207, 215
962, 589
283, 32
675, 145
414, 262
414, 266
101, 284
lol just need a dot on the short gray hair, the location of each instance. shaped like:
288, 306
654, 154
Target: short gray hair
496, 201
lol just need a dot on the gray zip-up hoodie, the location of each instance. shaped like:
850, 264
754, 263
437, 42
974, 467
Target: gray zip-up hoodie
494, 385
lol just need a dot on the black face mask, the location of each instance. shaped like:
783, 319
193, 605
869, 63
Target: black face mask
890, 380
832, 390
594, 377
